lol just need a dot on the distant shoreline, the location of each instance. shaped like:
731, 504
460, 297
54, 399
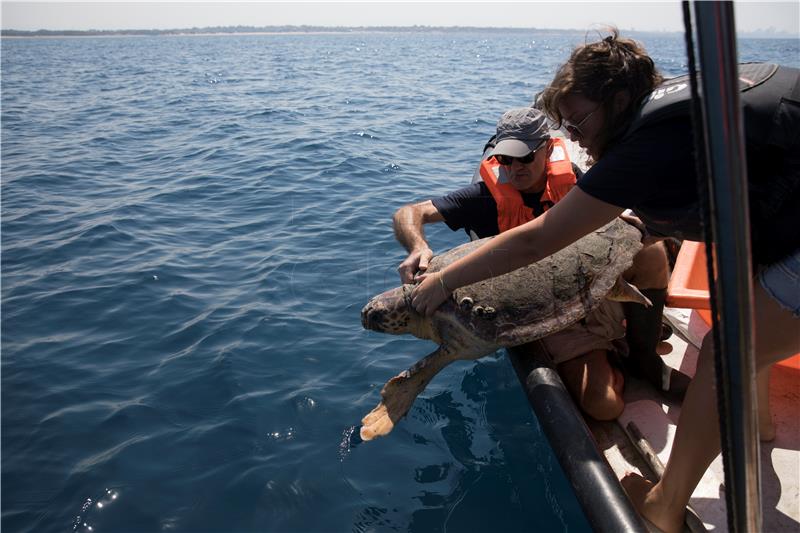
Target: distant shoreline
197, 34
284, 30
329, 30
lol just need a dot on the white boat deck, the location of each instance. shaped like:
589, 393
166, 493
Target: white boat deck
657, 419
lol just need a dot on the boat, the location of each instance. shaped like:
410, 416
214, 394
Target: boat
596, 455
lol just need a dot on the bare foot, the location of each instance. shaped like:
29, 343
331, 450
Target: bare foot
644, 496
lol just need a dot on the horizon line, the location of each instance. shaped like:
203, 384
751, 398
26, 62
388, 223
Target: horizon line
771, 31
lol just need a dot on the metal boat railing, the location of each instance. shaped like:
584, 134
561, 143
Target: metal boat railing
729, 269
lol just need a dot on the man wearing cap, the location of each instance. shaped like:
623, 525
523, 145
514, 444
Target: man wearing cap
526, 172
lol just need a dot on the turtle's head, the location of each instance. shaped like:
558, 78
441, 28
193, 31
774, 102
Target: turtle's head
391, 312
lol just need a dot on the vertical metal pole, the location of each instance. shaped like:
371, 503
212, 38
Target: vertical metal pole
724, 138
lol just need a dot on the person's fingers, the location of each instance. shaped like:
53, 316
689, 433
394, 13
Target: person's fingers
419, 299
415, 302
630, 217
406, 273
425, 258
408, 268
634, 221
637, 223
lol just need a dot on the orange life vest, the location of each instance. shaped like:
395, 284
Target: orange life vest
511, 210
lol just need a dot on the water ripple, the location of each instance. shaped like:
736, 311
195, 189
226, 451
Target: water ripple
190, 227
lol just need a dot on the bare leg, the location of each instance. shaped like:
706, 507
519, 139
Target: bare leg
594, 384
697, 437
664, 504
650, 269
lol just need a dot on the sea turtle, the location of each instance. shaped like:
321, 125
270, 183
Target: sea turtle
521, 306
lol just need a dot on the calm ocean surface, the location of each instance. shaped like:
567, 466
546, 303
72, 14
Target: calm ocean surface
190, 227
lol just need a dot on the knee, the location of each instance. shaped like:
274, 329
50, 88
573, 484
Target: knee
602, 403
595, 385
650, 269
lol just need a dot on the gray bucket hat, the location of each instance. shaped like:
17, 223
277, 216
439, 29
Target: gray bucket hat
520, 131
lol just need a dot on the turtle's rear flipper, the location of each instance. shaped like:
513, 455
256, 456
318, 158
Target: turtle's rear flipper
622, 291
399, 394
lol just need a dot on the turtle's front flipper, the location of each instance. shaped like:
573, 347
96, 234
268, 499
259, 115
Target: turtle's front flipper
400, 392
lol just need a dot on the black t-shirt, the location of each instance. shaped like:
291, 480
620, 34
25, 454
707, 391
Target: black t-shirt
654, 174
473, 208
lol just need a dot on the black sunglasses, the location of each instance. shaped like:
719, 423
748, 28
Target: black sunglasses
507, 160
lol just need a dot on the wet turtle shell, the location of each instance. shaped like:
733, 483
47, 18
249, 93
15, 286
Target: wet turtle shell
521, 306
542, 298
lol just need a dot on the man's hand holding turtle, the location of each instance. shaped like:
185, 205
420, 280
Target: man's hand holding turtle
416, 263
430, 293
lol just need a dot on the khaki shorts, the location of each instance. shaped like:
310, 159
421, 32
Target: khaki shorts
595, 332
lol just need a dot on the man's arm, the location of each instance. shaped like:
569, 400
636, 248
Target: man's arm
409, 230
574, 216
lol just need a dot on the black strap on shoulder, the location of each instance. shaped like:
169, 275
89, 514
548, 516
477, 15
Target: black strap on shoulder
754, 74
673, 97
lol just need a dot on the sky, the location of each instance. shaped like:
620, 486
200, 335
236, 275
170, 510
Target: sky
783, 16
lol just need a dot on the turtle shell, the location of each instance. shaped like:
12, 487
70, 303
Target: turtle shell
539, 299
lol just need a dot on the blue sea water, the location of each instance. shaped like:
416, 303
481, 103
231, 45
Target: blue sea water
190, 227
